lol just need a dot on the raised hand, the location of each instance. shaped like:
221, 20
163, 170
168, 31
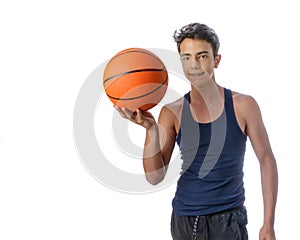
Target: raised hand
144, 118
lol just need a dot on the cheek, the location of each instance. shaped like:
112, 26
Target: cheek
209, 68
185, 68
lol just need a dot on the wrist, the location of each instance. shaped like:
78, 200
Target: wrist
268, 224
269, 220
151, 126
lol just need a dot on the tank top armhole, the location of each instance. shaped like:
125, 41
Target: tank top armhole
178, 137
231, 111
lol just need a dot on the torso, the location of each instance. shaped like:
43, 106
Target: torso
212, 148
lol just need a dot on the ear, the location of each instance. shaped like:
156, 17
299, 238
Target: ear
217, 60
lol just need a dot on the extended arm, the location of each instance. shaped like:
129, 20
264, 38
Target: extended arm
258, 136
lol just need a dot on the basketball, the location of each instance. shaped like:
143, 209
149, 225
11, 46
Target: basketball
135, 78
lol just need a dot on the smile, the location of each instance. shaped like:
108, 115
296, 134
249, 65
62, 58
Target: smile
196, 74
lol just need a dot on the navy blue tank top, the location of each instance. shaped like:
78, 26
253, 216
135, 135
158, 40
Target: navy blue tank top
212, 156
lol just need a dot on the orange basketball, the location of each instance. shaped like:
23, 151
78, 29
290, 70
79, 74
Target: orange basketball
135, 78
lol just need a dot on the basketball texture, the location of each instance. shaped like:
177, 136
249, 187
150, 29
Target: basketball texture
135, 78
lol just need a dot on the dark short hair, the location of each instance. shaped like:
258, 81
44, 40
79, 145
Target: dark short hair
197, 31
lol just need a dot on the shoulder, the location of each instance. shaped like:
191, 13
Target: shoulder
244, 102
174, 107
247, 110
170, 113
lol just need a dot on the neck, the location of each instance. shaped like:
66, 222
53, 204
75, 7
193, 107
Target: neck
208, 94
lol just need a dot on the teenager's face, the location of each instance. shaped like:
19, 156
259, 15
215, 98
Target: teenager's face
198, 60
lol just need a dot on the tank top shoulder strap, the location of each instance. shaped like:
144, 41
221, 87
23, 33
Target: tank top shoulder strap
230, 112
186, 106
228, 102
185, 116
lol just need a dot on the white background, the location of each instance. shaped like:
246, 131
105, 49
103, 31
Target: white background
49, 48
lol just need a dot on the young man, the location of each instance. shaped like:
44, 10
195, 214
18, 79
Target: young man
210, 125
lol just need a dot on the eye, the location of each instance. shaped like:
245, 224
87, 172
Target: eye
202, 56
185, 58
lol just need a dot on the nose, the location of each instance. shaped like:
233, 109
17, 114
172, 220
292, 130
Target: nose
195, 64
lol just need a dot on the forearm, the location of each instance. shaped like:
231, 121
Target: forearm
269, 179
153, 163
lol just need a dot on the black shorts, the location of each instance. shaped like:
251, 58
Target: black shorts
228, 225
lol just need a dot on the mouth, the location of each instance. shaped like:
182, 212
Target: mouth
196, 74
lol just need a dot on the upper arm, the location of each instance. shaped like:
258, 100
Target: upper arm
255, 129
167, 132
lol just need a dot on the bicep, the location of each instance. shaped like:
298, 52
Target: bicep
256, 131
167, 133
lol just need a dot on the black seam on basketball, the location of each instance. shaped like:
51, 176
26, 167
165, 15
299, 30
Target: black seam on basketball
144, 95
134, 71
131, 51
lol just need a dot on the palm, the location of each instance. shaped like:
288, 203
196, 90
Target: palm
144, 118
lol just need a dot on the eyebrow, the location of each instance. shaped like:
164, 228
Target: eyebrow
198, 53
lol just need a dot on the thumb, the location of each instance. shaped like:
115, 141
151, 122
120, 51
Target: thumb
139, 115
